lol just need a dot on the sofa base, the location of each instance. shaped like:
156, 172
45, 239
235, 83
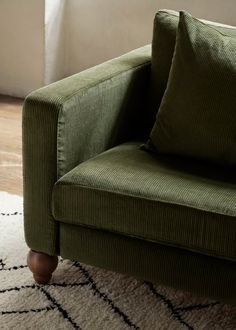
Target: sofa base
202, 275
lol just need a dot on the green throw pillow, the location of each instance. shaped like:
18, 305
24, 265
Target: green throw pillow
163, 45
197, 116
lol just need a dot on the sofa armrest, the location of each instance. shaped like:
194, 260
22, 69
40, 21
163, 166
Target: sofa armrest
71, 121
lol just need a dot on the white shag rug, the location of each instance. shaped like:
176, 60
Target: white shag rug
84, 297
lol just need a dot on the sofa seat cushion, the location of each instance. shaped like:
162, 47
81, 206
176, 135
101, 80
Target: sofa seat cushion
163, 199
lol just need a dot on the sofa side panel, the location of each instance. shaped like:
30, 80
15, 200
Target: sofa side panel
40, 173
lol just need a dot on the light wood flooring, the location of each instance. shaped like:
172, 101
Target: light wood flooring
10, 145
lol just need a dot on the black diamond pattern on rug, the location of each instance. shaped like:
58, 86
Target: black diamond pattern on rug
56, 306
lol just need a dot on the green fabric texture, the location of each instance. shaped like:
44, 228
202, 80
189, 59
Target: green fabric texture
163, 45
161, 199
197, 115
205, 276
71, 121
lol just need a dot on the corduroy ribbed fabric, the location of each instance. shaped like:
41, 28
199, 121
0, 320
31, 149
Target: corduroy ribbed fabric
197, 115
167, 200
40, 173
71, 121
207, 276
163, 45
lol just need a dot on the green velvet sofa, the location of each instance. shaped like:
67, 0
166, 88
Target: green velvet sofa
92, 194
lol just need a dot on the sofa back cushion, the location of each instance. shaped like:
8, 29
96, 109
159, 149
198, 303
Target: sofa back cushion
163, 45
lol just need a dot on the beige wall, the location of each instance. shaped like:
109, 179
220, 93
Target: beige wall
103, 29
21, 46
38, 47
98, 30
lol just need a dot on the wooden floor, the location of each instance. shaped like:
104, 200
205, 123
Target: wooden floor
10, 145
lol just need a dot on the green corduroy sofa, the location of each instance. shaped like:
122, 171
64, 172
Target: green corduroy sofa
92, 194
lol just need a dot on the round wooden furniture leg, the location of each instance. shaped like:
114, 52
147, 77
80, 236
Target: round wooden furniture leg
41, 265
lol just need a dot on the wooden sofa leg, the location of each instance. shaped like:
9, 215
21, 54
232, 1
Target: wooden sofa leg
41, 265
